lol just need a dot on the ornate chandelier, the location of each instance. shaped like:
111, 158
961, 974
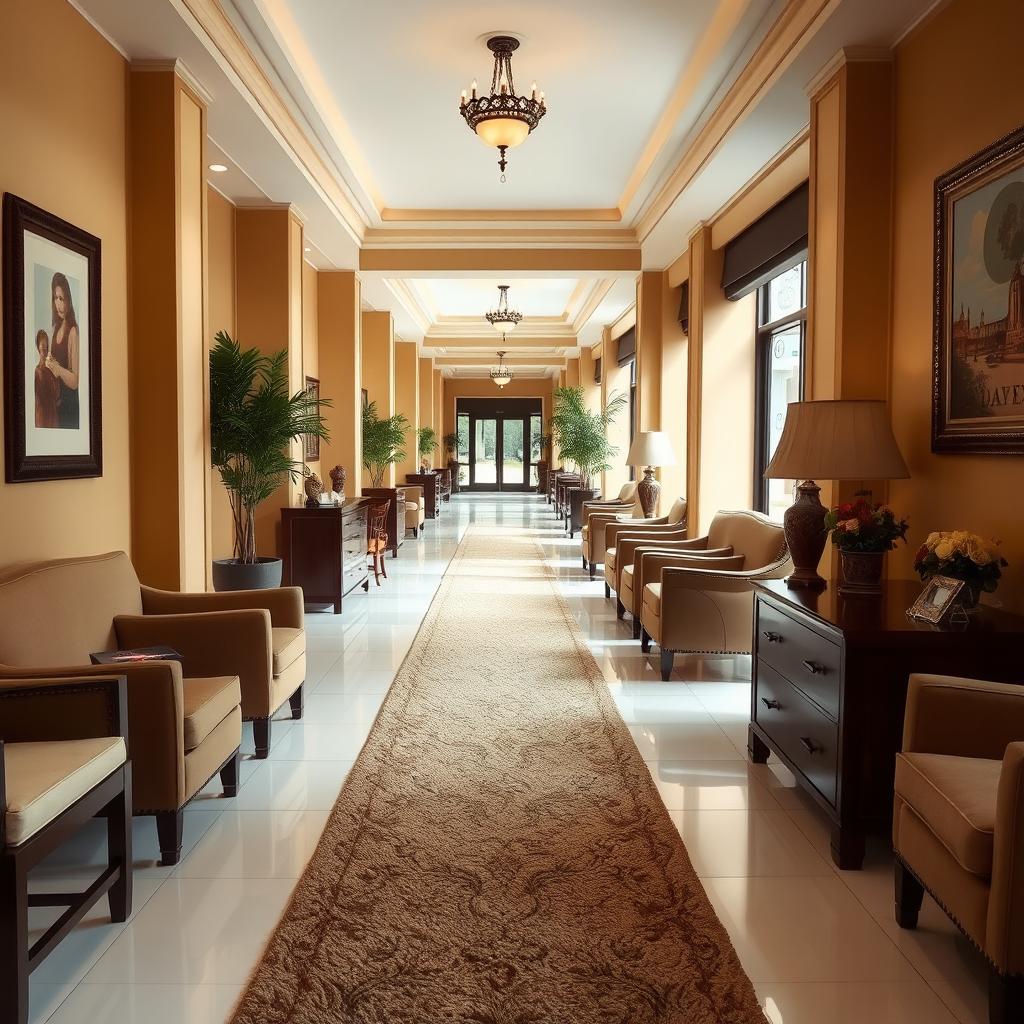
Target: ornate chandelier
501, 318
502, 375
502, 119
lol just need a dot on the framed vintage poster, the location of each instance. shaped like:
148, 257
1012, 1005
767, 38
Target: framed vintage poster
978, 345
52, 378
311, 442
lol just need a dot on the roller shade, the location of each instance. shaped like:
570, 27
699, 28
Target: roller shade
684, 307
627, 347
769, 246
597, 371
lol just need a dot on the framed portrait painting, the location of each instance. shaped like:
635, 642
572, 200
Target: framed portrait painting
311, 442
978, 344
52, 380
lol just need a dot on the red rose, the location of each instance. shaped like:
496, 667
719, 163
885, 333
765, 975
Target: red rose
922, 553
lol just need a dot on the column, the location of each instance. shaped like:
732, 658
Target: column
168, 365
379, 373
339, 331
268, 316
407, 401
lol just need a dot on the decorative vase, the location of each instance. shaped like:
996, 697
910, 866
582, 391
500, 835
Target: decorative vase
338, 477
862, 572
970, 596
804, 526
313, 488
648, 490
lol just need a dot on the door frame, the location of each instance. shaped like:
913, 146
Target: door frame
499, 410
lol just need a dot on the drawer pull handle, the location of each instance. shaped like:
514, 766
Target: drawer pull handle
809, 745
770, 703
772, 637
814, 668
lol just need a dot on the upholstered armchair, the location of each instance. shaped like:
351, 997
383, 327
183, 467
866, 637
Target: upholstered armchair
415, 509
599, 545
242, 654
705, 605
958, 821
624, 503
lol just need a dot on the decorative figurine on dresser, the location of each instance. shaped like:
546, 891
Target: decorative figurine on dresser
829, 689
324, 550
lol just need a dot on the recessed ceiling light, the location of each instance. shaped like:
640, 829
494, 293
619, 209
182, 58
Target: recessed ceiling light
218, 168
306, 249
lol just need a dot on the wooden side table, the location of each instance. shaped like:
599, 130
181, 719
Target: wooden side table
829, 678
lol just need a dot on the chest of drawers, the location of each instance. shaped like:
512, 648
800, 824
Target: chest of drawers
829, 688
324, 551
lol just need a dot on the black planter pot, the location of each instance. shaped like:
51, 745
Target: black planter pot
577, 496
263, 574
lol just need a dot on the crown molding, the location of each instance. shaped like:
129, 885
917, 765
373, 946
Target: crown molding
178, 67
500, 238
415, 216
848, 55
410, 300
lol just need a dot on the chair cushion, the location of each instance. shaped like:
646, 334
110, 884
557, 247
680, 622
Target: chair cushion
207, 702
45, 779
652, 597
609, 559
956, 798
376, 545
288, 645
585, 531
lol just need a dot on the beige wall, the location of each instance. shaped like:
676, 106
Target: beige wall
941, 119
407, 402
311, 349
674, 355
60, 80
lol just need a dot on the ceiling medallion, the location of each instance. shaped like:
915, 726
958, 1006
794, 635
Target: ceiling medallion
502, 375
503, 119
503, 319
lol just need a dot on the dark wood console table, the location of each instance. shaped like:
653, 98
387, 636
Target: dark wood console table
830, 685
324, 551
431, 484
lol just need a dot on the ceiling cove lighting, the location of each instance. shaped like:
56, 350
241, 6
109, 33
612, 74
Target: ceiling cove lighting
502, 119
501, 318
502, 375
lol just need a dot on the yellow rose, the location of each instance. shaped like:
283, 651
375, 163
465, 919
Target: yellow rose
932, 539
945, 549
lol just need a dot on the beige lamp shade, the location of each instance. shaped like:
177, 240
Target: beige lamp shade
651, 448
837, 440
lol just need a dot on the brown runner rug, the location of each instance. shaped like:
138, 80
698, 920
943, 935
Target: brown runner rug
499, 853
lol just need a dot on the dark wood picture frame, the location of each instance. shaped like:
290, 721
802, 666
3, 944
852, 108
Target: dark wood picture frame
1002, 157
19, 217
311, 442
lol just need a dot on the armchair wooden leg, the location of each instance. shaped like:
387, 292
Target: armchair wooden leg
13, 941
229, 774
261, 736
909, 894
668, 659
297, 701
620, 608
1005, 998
636, 628
119, 850
645, 640
593, 571
169, 828
584, 561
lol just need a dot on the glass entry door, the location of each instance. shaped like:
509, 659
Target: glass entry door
499, 453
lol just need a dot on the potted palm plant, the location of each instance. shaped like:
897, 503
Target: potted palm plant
426, 444
582, 439
383, 442
253, 421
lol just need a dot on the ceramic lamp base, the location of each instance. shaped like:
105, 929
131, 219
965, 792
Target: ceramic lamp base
648, 491
804, 527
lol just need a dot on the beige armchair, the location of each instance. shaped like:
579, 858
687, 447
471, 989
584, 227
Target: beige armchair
415, 509
626, 502
605, 537
243, 654
958, 821
703, 605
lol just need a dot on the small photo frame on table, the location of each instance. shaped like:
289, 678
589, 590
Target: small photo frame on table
939, 602
52, 370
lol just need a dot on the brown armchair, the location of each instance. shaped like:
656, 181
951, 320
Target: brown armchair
243, 653
700, 607
599, 543
958, 821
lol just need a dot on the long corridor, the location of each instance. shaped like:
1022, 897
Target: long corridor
819, 945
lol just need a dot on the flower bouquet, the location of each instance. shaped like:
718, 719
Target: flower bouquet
963, 556
863, 532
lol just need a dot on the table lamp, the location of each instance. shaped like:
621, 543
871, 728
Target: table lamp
650, 448
833, 440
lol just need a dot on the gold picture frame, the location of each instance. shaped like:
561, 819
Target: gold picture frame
938, 599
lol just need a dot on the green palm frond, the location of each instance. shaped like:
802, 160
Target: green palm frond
426, 441
582, 435
253, 421
383, 441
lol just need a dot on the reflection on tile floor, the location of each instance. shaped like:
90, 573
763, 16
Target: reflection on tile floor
820, 945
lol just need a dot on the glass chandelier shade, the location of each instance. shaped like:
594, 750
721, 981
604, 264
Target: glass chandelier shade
502, 119
502, 375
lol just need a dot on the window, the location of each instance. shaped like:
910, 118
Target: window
781, 332
632, 411
462, 427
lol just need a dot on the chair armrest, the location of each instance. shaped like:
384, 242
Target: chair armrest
676, 568
63, 708
285, 604
614, 530
156, 724
228, 643
1004, 938
964, 717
